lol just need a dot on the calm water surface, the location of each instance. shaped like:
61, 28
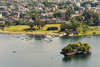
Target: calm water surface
38, 51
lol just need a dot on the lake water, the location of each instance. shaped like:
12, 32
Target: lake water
38, 51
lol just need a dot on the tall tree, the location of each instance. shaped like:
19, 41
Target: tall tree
68, 13
58, 14
31, 25
39, 23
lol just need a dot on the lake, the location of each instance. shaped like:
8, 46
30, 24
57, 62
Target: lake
17, 50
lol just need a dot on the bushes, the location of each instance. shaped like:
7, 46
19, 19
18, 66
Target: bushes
52, 28
94, 33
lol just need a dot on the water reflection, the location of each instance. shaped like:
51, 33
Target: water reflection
37, 37
76, 57
41, 38
75, 38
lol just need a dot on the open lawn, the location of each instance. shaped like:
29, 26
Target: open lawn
92, 31
25, 28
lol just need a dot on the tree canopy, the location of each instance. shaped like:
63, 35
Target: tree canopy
58, 14
90, 17
68, 13
91, 3
76, 48
74, 27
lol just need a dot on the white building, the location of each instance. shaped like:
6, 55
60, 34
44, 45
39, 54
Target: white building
78, 4
0, 15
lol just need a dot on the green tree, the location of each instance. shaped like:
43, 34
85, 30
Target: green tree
39, 23
90, 21
58, 14
79, 18
85, 28
63, 26
91, 3
34, 17
76, 8
17, 22
76, 24
90, 17
8, 23
46, 3
22, 15
31, 25
97, 22
68, 13
78, 30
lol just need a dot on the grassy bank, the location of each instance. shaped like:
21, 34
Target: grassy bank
26, 29
94, 30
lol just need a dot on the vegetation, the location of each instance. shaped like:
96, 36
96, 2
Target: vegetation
46, 3
24, 28
34, 16
86, 24
91, 18
39, 23
76, 48
74, 26
68, 13
22, 15
2, 3
79, 25
90, 2
58, 14
31, 25
76, 8
91, 31
52, 28
17, 22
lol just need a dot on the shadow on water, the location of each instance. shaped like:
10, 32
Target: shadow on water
75, 57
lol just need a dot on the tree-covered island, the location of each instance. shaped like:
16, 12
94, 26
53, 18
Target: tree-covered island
76, 48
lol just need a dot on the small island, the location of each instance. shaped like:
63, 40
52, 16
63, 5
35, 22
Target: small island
76, 48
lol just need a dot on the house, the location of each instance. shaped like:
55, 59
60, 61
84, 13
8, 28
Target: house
50, 15
16, 14
51, 21
97, 9
3, 8
3, 22
63, 18
0, 15
87, 6
54, 21
62, 10
4, 13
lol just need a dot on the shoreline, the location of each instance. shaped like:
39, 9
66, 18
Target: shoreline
37, 33
34, 33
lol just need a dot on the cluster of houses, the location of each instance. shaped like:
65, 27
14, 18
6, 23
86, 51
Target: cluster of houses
12, 13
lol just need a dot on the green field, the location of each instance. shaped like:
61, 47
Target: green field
24, 28
92, 29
